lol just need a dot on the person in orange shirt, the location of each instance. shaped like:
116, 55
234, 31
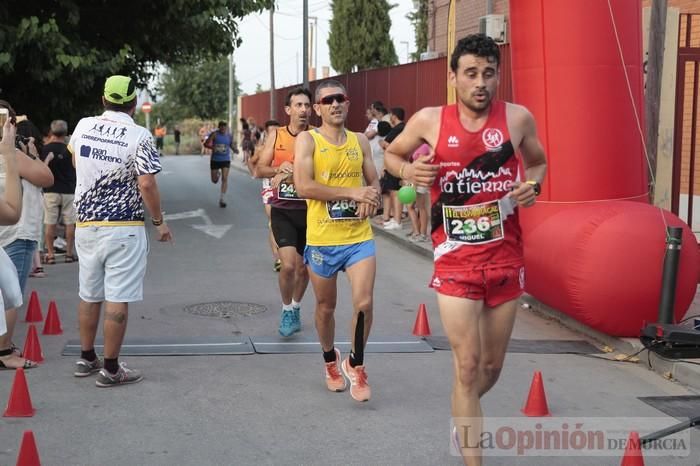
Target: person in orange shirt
288, 213
159, 133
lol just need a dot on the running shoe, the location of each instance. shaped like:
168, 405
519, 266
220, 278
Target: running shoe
359, 389
123, 376
297, 318
334, 379
83, 367
222, 204
392, 225
287, 323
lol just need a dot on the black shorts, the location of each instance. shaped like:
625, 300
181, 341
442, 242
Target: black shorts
289, 228
215, 164
389, 183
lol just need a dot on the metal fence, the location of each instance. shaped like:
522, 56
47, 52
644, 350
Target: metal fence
686, 173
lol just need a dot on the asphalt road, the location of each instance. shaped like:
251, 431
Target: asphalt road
274, 409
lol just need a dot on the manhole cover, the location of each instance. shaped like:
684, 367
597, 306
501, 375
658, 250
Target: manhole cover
225, 309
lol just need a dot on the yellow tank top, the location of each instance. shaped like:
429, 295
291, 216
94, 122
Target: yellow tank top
333, 223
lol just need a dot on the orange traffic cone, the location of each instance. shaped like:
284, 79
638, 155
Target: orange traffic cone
33, 309
20, 403
421, 328
28, 454
52, 325
633, 452
536, 405
32, 347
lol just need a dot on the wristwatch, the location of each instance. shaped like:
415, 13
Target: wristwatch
157, 221
535, 186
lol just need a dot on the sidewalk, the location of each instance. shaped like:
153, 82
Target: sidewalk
687, 374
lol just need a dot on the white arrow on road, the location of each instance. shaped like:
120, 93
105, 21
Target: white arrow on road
217, 231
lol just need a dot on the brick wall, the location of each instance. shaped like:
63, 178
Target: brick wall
467, 17
469, 11
691, 87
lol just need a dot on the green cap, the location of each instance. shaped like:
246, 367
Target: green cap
119, 89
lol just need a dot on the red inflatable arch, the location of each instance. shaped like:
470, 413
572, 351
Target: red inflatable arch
594, 246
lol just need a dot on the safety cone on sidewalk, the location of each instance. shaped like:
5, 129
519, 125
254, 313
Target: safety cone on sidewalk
33, 309
52, 325
536, 405
633, 451
32, 347
20, 403
421, 328
28, 454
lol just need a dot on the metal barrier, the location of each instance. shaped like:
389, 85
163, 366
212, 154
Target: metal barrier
685, 181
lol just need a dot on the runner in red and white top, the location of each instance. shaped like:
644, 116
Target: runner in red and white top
485, 164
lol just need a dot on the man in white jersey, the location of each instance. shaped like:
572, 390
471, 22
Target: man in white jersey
116, 162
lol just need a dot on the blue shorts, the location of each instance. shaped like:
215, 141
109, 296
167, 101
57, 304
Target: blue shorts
327, 261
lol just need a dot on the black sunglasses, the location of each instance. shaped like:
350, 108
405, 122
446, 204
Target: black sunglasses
329, 99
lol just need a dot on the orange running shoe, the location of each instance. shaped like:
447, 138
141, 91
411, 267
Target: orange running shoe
359, 389
334, 379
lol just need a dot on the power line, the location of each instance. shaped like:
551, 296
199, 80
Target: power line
266, 71
276, 35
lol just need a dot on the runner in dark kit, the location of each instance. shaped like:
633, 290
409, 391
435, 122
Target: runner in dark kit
220, 142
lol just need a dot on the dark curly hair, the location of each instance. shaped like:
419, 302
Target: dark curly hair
296, 91
475, 44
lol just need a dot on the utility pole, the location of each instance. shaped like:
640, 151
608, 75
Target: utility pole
655, 61
305, 45
272, 63
230, 91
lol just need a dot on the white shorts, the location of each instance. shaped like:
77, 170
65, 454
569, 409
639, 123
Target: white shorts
9, 282
112, 263
3, 322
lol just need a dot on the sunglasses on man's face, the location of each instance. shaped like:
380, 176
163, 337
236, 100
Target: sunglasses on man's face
329, 99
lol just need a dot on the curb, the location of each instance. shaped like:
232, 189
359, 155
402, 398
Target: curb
622, 345
405, 244
684, 373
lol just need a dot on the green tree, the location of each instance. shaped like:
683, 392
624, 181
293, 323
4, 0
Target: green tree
419, 20
54, 56
198, 90
359, 36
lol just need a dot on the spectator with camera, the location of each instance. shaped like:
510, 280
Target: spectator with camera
33, 172
21, 240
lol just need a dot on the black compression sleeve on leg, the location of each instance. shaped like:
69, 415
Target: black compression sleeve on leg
358, 355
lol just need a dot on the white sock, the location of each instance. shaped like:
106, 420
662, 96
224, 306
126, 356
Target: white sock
286, 307
296, 304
